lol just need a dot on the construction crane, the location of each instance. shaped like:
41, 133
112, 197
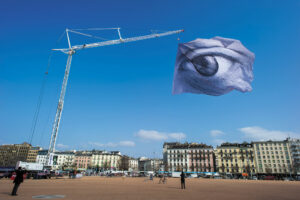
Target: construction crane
70, 51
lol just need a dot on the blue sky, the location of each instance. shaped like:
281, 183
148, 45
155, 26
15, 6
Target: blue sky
119, 97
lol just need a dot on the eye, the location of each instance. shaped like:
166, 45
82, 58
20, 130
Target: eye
205, 65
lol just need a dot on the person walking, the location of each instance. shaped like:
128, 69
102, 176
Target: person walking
160, 179
182, 180
164, 179
151, 177
17, 181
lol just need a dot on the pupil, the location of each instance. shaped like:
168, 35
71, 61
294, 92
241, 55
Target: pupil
205, 65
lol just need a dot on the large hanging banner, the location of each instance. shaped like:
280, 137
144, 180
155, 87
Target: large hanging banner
213, 66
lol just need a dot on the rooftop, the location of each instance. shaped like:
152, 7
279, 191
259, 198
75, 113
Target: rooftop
177, 145
227, 144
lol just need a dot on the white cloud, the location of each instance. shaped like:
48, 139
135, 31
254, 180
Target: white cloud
151, 135
111, 144
218, 141
62, 146
127, 143
159, 136
177, 136
261, 134
216, 133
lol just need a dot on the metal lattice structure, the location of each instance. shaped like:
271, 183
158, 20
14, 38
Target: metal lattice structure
70, 51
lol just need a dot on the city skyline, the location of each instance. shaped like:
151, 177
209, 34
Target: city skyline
281, 156
119, 97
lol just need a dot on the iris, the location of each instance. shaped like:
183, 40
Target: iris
205, 65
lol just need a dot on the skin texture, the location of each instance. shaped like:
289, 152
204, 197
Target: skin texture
116, 188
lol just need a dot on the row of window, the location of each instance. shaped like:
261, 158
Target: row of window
275, 170
259, 157
236, 165
274, 165
236, 171
236, 156
235, 151
271, 148
189, 151
235, 160
272, 152
273, 161
271, 144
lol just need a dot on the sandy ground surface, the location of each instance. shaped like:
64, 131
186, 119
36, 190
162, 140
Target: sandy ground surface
117, 188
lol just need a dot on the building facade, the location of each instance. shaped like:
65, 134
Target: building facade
41, 156
106, 160
294, 145
236, 159
32, 154
201, 158
83, 160
64, 160
12, 153
176, 156
189, 157
153, 165
141, 163
133, 164
273, 157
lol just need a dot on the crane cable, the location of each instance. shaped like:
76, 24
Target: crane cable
40, 98
88, 35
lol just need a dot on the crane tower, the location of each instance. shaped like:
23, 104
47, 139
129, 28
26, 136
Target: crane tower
70, 51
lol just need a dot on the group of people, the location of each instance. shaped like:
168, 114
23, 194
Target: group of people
163, 179
19, 178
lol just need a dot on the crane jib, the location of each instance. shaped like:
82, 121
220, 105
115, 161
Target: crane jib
70, 51
117, 41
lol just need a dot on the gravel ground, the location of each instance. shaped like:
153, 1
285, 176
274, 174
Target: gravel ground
117, 188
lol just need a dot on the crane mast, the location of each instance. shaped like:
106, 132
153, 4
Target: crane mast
70, 51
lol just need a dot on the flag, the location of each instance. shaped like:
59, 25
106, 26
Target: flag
213, 66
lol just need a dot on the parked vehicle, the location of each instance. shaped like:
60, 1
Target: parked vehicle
288, 179
2, 175
30, 166
217, 177
43, 175
269, 178
176, 174
204, 176
228, 176
194, 175
6, 172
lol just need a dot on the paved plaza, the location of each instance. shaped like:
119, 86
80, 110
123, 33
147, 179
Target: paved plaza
117, 188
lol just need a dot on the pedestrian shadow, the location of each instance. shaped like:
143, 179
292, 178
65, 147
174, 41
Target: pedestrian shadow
8, 193
174, 187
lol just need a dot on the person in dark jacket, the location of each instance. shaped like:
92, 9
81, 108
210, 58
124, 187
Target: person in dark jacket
18, 180
182, 180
